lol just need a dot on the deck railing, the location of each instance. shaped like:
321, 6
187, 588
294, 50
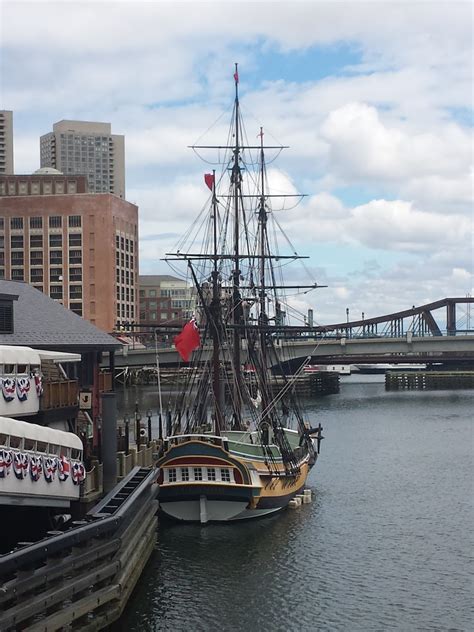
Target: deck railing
59, 394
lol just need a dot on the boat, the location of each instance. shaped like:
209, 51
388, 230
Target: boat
236, 443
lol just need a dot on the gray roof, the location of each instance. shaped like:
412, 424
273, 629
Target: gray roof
41, 322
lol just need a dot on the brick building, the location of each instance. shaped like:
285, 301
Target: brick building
81, 250
165, 298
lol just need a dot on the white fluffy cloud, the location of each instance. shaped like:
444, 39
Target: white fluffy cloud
383, 147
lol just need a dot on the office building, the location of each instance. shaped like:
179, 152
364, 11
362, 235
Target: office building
87, 148
165, 299
6, 142
81, 250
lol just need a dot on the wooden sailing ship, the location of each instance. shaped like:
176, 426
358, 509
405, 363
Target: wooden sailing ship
233, 448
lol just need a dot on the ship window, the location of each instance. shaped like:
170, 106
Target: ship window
172, 475
54, 449
197, 474
225, 475
41, 447
15, 442
211, 473
22, 368
3, 439
185, 474
9, 369
75, 454
30, 444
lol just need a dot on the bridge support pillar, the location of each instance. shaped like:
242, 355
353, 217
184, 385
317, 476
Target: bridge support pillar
451, 318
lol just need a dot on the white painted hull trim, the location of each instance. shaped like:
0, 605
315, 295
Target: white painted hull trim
205, 510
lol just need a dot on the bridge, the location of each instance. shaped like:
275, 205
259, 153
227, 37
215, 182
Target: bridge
437, 332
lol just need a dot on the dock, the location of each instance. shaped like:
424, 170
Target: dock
429, 380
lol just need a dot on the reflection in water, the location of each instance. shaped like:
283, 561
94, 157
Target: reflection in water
385, 544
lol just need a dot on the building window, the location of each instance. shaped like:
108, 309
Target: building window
55, 241
16, 241
36, 222
36, 275
197, 474
17, 258
185, 474
55, 257
75, 221
211, 473
152, 293
38, 287
225, 475
18, 274
75, 256
36, 258
36, 241
55, 221
75, 291
172, 475
56, 291
75, 274
75, 239
2, 223
76, 308
55, 275
16, 223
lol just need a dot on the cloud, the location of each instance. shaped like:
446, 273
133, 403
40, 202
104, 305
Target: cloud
381, 140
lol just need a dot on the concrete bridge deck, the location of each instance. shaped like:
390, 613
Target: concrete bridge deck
341, 351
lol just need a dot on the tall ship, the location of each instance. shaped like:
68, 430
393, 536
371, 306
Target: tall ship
237, 443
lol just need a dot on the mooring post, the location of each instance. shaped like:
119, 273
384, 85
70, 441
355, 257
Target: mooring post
109, 440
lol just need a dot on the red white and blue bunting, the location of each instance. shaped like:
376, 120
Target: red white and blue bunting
8, 388
37, 465
20, 386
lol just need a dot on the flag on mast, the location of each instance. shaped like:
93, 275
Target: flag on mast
209, 180
187, 340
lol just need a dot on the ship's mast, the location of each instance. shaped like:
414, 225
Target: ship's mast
236, 180
263, 318
216, 322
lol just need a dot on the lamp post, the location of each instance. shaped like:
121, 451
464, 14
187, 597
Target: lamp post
137, 426
149, 414
126, 421
99, 438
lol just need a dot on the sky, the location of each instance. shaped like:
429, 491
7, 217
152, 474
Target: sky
374, 100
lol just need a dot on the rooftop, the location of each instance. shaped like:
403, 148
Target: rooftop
44, 323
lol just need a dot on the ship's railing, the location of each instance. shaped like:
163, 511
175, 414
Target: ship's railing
205, 438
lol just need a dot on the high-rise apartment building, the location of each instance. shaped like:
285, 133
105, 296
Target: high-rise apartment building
6, 142
81, 250
87, 148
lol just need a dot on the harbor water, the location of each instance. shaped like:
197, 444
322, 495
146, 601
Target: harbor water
386, 544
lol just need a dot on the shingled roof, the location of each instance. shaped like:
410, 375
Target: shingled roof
43, 323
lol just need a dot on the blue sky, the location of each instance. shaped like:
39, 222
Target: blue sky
373, 98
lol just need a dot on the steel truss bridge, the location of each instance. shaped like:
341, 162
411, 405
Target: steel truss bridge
438, 332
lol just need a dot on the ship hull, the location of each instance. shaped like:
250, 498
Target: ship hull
248, 491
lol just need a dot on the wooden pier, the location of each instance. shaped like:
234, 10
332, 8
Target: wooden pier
429, 380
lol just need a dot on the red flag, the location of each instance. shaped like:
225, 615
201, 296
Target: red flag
209, 180
187, 340
236, 76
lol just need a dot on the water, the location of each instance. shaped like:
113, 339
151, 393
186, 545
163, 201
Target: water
386, 544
